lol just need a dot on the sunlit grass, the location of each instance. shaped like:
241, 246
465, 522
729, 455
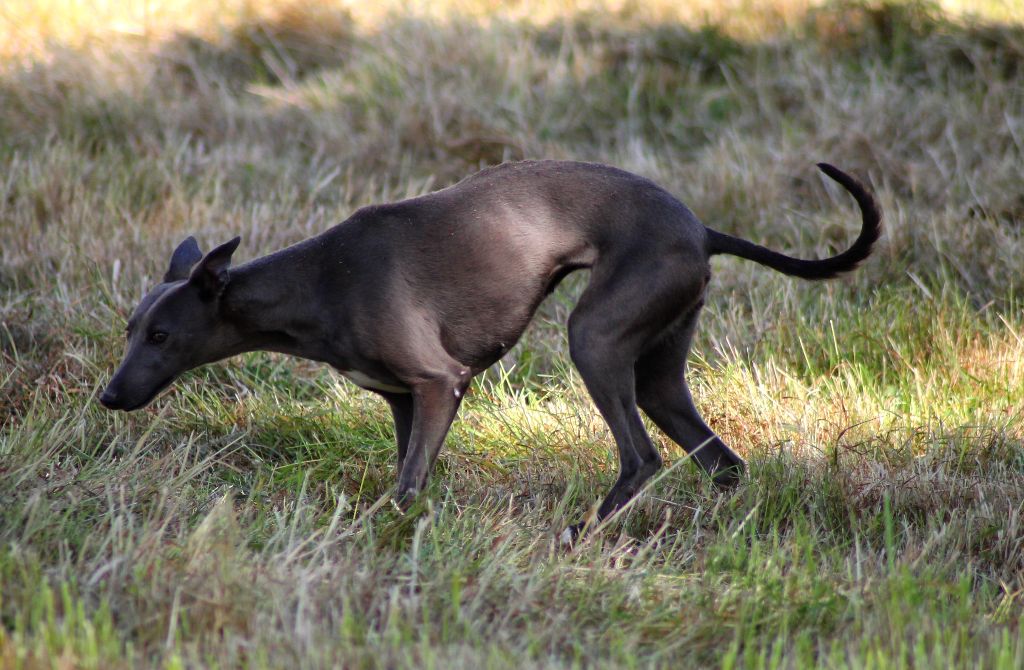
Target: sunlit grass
31, 27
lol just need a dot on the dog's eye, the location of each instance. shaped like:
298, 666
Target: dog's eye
157, 336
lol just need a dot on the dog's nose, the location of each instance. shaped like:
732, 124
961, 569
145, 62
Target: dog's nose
108, 399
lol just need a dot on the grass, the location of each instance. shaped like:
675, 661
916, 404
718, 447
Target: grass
243, 519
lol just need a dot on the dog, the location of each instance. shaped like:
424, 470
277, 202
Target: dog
412, 299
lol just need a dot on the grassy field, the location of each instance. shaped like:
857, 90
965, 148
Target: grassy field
243, 518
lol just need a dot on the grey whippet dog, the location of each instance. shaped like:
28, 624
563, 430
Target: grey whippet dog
412, 299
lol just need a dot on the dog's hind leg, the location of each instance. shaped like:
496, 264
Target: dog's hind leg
615, 320
664, 396
610, 383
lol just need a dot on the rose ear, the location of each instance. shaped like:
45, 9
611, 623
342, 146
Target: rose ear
211, 273
184, 257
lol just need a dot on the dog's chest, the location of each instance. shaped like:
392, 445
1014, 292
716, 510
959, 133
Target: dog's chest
367, 382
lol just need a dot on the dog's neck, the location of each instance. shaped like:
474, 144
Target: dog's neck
269, 303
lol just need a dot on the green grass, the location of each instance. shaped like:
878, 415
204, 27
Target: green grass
244, 519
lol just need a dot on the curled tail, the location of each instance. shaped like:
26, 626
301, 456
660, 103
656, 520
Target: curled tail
826, 268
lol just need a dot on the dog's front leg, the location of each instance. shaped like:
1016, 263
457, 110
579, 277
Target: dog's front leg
401, 405
434, 405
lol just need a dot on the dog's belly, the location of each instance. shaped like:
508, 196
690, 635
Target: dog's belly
367, 382
484, 326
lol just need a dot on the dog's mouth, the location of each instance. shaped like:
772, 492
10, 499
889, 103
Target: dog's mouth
161, 387
131, 408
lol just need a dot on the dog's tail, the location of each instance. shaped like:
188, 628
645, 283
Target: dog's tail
826, 268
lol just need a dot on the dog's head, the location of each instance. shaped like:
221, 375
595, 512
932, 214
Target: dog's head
177, 326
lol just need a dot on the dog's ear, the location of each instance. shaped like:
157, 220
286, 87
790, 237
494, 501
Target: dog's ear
184, 257
211, 273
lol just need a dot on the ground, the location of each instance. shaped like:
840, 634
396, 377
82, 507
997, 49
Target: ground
244, 518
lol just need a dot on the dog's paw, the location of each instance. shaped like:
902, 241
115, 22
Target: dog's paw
571, 535
727, 478
404, 500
